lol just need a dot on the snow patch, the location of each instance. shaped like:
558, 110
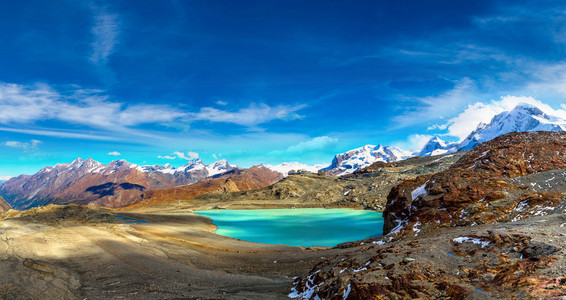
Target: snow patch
465, 239
419, 191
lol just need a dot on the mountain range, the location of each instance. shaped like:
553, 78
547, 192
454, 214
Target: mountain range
90, 182
121, 183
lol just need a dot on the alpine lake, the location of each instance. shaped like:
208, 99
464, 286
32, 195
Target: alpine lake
306, 227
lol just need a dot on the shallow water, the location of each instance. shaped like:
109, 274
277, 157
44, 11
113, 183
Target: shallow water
297, 227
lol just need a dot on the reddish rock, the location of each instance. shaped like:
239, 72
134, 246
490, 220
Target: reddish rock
480, 188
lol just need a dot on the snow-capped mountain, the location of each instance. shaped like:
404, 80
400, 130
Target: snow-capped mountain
348, 162
112, 185
219, 167
286, 167
523, 118
436, 146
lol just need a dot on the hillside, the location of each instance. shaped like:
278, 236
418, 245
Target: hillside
489, 227
233, 181
365, 188
4, 206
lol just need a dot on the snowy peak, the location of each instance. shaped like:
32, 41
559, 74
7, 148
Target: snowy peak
436, 146
218, 167
523, 118
192, 165
348, 162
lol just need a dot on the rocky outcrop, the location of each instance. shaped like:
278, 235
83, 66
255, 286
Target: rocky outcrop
509, 178
520, 261
4, 206
236, 180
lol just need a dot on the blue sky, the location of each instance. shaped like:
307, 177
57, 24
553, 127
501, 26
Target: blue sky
262, 81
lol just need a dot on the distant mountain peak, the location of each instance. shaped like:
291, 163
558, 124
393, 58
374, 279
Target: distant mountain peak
350, 161
523, 117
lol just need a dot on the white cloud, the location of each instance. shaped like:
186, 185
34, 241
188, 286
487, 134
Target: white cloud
4, 178
220, 102
435, 107
32, 145
314, 144
60, 134
251, 116
21, 104
114, 153
166, 157
413, 142
464, 123
317, 143
177, 154
105, 32
24, 104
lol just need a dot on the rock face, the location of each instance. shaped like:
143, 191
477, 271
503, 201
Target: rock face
235, 180
4, 206
524, 260
509, 178
348, 162
90, 182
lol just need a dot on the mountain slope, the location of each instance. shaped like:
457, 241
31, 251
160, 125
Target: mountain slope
4, 206
90, 182
235, 180
508, 178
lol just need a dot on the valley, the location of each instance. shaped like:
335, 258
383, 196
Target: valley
481, 223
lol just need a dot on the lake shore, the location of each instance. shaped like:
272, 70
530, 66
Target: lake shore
67, 253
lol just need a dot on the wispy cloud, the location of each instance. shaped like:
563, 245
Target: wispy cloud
105, 33
413, 142
25, 104
314, 144
29, 104
434, 107
60, 134
114, 153
30, 146
250, 116
178, 154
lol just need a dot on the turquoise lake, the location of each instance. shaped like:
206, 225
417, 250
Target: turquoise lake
297, 227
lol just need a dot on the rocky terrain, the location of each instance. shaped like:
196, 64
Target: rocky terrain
365, 188
491, 226
509, 178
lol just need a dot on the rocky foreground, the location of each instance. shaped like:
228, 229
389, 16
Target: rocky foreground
491, 226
